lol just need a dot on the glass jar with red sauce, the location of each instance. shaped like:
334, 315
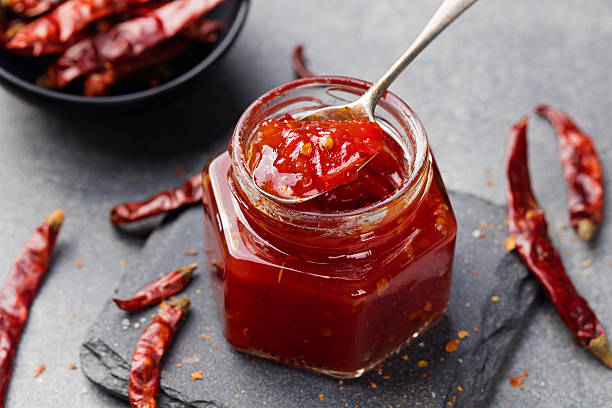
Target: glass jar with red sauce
338, 283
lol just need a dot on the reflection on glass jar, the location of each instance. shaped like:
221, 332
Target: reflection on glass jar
338, 283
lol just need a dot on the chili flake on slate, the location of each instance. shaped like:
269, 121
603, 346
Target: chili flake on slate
510, 243
479, 234
39, 370
452, 345
462, 334
197, 375
516, 381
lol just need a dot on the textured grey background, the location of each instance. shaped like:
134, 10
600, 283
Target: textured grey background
488, 69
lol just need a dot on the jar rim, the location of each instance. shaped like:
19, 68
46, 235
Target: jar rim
413, 180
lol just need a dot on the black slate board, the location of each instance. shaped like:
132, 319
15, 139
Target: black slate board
233, 379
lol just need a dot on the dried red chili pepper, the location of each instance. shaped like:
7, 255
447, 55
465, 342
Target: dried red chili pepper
158, 290
125, 40
205, 30
20, 288
168, 200
51, 33
298, 63
149, 350
30, 8
528, 225
99, 83
582, 171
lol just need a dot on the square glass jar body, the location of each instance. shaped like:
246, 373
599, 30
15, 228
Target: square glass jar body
333, 294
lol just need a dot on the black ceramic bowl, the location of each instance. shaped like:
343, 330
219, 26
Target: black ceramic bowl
19, 73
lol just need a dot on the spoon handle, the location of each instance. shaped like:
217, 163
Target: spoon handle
446, 14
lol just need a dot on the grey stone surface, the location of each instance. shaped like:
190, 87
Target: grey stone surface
233, 379
492, 66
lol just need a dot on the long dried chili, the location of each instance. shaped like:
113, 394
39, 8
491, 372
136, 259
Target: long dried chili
125, 40
582, 172
51, 33
165, 201
298, 63
158, 290
150, 348
528, 226
99, 83
203, 31
30, 8
20, 289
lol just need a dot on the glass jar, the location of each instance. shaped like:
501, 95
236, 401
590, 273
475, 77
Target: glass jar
331, 291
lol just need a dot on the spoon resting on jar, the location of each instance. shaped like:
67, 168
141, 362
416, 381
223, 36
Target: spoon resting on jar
293, 160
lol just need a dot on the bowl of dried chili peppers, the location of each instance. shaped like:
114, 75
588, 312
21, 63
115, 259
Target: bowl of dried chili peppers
109, 52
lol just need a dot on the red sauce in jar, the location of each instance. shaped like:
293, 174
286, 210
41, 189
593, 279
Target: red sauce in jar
297, 159
336, 283
330, 301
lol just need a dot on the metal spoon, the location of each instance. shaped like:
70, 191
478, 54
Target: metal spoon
364, 106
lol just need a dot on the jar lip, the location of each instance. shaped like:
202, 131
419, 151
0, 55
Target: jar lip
421, 154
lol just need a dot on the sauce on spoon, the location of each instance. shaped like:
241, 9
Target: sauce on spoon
298, 159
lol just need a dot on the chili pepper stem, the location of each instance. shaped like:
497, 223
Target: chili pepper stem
187, 271
600, 348
586, 229
184, 303
55, 220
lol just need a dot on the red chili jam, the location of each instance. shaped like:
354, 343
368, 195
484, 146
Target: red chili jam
297, 159
337, 283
